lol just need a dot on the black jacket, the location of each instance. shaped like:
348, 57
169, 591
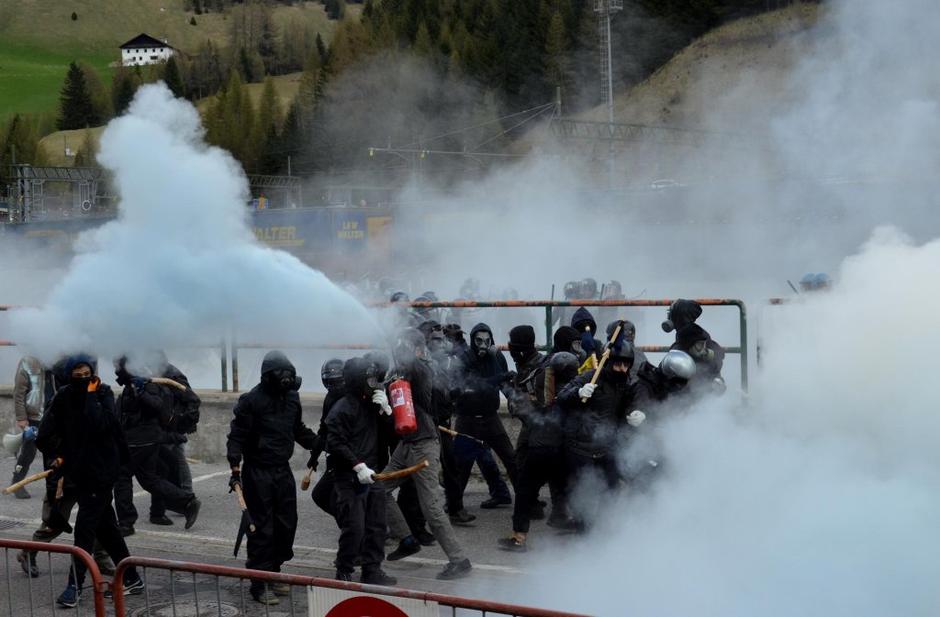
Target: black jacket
329, 401
83, 429
526, 393
592, 428
265, 426
142, 411
353, 434
479, 380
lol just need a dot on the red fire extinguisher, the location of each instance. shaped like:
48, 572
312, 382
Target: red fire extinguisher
403, 408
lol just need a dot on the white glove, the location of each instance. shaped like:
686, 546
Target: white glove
587, 390
635, 418
364, 474
718, 385
381, 399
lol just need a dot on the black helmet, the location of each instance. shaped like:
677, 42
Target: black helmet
621, 353
381, 363
572, 289
359, 376
564, 366
332, 374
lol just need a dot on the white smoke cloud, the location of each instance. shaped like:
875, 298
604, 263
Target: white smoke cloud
817, 495
180, 267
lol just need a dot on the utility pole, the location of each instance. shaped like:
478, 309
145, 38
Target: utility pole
605, 10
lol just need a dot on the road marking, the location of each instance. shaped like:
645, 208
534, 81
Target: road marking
173, 535
207, 476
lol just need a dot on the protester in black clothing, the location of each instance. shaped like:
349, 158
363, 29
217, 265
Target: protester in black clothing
584, 323
331, 374
669, 380
568, 339
709, 358
81, 428
596, 414
143, 407
267, 422
482, 374
544, 462
353, 429
629, 335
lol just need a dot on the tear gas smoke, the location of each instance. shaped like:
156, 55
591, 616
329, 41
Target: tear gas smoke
816, 496
180, 267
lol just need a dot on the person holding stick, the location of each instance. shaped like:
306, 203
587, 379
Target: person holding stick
422, 444
266, 424
352, 443
82, 429
597, 404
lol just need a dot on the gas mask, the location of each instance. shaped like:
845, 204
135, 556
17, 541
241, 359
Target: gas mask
519, 356
437, 343
701, 353
577, 350
372, 379
285, 380
482, 341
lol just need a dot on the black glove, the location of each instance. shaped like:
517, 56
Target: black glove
312, 463
235, 479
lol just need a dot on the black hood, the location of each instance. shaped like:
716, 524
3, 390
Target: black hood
481, 327
356, 376
564, 337
581, 318
276, 360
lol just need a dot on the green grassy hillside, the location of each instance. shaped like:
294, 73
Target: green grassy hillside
38, 39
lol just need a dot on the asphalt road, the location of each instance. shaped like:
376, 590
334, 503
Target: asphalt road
211, 540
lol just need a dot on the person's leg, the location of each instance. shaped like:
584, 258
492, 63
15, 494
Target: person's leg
526, 488
453, 493
25, 457
499, 441
372, 549
410, 508
397, 525
91, 507
259, 491
322, 493
496, 486
147, 475
465, 453
108, 539
431, 498
285, 516
350, 497
124, 496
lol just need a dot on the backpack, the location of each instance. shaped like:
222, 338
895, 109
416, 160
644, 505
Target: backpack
185, 416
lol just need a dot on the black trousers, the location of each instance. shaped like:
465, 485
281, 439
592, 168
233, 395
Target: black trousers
145, 466
271, 497
580, 464
96, 519
410, 508
322, 493
25, 457
172, 467
360, 512
491, 431
557, 482
453, 489
541, 466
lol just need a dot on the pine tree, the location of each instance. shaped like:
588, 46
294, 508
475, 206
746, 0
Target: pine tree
87, 153
20, 134
172, 78
75, 107
422, 44
100, 97
123, 87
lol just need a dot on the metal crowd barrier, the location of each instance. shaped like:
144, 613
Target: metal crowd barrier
220, 600
549, 305
55, 583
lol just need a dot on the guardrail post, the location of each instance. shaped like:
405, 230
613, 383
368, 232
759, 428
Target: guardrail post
548, 326
223, 353
234, 364
743, 323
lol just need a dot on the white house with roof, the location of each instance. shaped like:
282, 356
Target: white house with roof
144, 49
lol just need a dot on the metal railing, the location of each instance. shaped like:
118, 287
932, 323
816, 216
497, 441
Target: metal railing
98, 584
219, 599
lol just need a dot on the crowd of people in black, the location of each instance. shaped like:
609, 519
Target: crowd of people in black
401, 434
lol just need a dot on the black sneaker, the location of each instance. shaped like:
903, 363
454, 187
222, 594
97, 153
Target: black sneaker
462, 518
494, 502
266, 597
408, 546
28, 563
343, 576
511, 544
192, 512
454, 570
378, 577
126, 530
425, 538
160, 520
70, 597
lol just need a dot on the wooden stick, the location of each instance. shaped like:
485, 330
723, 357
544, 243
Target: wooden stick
33, 478
604, 356
242, 504
401, 473
166, 381
454, 433
305, 482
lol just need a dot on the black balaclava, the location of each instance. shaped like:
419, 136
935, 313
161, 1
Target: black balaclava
521, 343
359, 374
680, 314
